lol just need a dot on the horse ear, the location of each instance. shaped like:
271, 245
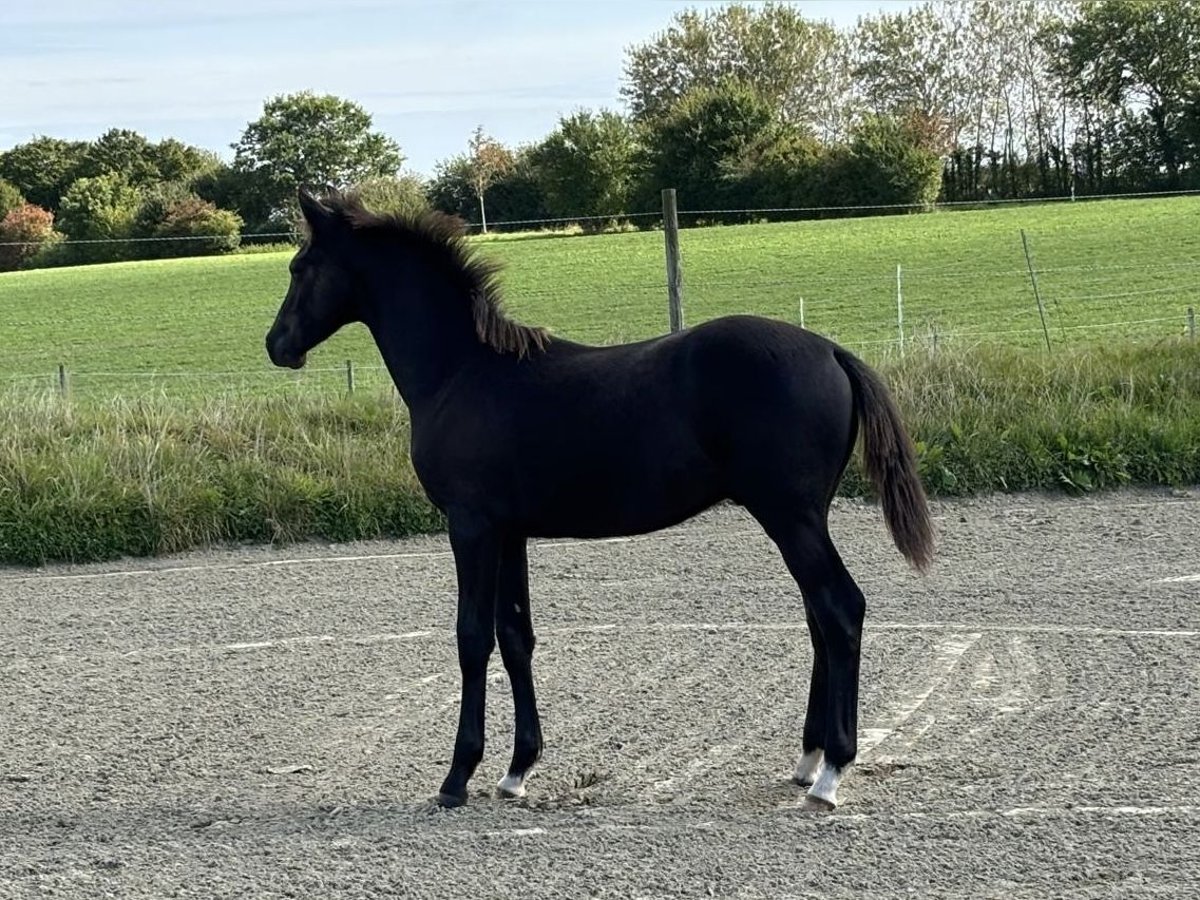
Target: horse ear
317, 216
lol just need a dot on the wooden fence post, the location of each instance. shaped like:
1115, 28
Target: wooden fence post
1036, 293
674, 273
350, 376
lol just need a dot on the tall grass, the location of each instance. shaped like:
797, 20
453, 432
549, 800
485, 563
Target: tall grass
99, 480
1004, 419
93, 481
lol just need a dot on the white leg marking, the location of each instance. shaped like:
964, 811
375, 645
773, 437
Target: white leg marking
949, 650
512, 785
824, 791
807, 767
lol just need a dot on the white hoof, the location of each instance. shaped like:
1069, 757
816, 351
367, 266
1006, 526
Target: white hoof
807, 768
823, 793
512, 786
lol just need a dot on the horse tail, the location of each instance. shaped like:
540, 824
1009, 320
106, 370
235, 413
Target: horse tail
890, 461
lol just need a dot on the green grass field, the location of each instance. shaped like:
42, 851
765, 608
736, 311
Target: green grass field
196, 326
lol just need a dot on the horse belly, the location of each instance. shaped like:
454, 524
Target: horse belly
636, 489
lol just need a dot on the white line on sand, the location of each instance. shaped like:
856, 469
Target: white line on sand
946, 654
1178, 579
645, 627
219, 567
281, 642
949, 627
822, 819
291, 561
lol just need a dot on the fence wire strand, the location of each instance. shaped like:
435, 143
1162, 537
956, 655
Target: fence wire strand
624, 216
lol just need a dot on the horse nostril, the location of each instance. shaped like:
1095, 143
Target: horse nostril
275, 352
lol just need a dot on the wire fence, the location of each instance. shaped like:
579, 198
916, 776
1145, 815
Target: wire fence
351, 377
881, 309
546, 222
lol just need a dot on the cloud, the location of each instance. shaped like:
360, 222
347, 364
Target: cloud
387, 77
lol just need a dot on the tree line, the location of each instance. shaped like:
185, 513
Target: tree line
737, 107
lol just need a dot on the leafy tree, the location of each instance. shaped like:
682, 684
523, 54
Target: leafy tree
978, 74
120, 151
229, 188
206, 229
1139, 55
25, 232
451, 190
488, 162
887, 162
906, 64
103, 208
785, 57
693, 145
516, 196
42, 168
306, 139
783, 168
176, 161
1190, 129
170, 210
404, 195
586, 165
10, 198
154, 203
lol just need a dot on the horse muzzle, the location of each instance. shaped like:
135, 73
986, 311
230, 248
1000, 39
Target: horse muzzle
282, 355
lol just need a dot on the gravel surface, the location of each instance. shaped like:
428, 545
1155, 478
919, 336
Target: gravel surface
271, 722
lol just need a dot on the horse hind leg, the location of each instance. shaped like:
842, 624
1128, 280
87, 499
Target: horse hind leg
835, 609
808, 767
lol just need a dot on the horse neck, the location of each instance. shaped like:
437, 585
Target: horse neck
421, 325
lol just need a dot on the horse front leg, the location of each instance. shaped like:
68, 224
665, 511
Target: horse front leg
477, 551
514, 630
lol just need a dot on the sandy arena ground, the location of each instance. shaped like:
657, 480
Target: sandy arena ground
271, 722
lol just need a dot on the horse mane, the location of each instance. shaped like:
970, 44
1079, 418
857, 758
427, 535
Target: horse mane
442, 239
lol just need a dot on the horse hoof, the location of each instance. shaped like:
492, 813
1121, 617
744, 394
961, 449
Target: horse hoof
824, 792
818, 804
511, 787
450, 801
802, 782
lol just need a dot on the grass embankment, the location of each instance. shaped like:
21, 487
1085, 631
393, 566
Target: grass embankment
194, 327
143, 477
95, 481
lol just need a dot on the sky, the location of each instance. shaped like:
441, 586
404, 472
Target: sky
428, 72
